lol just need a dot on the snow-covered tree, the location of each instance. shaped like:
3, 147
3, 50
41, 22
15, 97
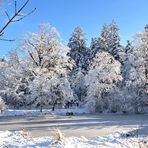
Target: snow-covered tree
78, 49
135, 72
135, 66
80, 54
103, 78
50, 65
141, 44
8, 79
13, 76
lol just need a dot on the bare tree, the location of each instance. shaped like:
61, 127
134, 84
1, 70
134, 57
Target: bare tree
16, 17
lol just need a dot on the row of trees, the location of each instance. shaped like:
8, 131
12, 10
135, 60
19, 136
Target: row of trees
103, 77
113, 77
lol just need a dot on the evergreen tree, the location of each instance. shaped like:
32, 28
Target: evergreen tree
110, 41
114, 44
78, 49
114, 37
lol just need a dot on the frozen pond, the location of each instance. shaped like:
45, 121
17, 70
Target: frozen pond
79, 125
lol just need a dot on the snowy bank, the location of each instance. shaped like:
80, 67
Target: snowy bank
23, 139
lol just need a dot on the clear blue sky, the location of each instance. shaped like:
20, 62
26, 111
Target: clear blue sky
130, 15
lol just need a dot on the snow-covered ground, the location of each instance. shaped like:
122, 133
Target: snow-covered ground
23, 139
11, 112
100, 129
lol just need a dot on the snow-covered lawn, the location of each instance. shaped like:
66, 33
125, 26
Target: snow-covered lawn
11, 112
22, 139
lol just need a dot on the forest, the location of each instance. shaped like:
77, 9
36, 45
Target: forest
44, 72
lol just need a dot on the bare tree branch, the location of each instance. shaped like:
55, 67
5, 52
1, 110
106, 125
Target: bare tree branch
25, 15
17, 13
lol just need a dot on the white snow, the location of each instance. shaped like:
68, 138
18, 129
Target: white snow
19, 139
11, 112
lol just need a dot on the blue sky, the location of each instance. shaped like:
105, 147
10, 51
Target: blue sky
130, 15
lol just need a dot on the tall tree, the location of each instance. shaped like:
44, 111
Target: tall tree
50, 65
135, 72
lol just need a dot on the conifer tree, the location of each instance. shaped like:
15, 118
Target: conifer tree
78, 49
